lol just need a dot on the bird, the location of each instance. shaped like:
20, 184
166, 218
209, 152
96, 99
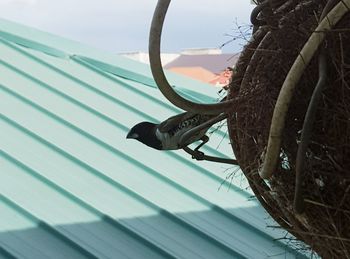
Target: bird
169, 134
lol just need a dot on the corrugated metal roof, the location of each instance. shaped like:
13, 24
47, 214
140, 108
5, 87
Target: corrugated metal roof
72, 186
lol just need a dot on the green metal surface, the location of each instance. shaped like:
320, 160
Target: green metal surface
72, 186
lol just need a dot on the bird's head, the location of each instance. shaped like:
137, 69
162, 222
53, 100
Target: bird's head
145, 132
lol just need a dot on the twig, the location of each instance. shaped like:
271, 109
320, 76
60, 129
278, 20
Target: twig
342, 202
306, 134
325, 236
326, 206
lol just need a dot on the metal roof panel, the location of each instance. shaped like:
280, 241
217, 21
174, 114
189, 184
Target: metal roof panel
73, 186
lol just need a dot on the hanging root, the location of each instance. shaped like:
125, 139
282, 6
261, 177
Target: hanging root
306, 134
299, 205
292, 79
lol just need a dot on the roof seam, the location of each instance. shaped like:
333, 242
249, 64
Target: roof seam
146, 169
51, 89
98, 114
84, 106
6, 252
64, 96
32, 45
82, 83
114, 79
115, 223
26, 244
120, 72
87, 65
151, 118
85, 62
107, 146
58, 234
128, 191
221, 244
102, 116
153, 99
128, 159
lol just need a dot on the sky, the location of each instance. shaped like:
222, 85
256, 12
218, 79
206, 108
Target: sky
123, 25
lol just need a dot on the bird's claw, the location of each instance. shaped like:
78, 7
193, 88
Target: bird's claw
198, 155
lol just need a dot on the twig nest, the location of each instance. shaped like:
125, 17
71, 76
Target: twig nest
258, 77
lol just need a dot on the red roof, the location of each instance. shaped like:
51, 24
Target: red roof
198, 73
216, 63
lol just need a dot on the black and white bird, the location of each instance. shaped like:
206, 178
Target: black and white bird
168, 135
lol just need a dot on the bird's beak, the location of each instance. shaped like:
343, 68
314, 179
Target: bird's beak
132, 135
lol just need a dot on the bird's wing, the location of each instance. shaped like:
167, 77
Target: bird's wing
174, 121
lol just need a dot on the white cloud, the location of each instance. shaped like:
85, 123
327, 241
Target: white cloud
18, 2
123, 25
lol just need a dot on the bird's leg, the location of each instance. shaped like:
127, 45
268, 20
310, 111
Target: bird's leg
210, 158
198, 154
204, 139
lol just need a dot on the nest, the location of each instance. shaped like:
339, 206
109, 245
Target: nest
259, 74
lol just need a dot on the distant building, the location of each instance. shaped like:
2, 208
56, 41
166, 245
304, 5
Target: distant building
202, 51
207, 65
216, 63
144, 57
194, 62
198, 73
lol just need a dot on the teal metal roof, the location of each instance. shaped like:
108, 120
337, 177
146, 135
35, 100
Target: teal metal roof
72, 186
